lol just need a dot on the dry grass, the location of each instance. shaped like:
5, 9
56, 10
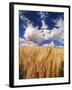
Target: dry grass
41, 62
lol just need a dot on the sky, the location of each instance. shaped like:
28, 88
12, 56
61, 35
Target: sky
40, 28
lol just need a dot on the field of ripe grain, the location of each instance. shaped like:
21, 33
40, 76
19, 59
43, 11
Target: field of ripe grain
45, 62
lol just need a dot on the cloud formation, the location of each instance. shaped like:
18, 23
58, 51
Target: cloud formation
43, 15
24, 42
35, 36
51, 44
32, 34
21, 40
56, 32
25, 20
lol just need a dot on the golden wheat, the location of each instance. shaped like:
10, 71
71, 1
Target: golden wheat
45, 62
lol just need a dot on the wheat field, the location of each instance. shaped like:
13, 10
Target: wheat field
40, 62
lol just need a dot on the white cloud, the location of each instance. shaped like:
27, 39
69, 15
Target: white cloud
44, 26
21, 40
45, 45
32, 34
52, 44
60, 23
56, 32
28, 43
59, 46
24, 42
43, 15
61, 41
26, 20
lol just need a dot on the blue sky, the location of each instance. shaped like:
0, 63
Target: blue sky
52, 22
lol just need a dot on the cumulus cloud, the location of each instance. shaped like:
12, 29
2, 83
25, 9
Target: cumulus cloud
21, 40
60, 23
44, 26
51, 44
59, 46
29, 43
32, 34
56, 32
45, 45
24, 42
